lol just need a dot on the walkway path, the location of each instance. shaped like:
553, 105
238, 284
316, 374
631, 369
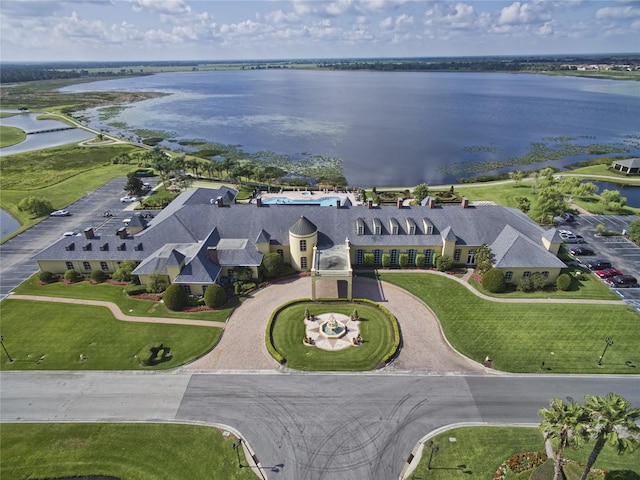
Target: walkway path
117, 313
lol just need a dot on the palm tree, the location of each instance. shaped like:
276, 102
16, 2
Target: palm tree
564, 422
611, 419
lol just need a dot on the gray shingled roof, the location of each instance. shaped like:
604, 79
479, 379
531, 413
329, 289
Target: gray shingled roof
303, 227
630, 162
511, 249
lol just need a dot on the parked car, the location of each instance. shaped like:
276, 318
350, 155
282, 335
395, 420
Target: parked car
128, 199
73, 233
608, 272
581, 251
598, 264
568, 237
60, 213
568, 217
622, 281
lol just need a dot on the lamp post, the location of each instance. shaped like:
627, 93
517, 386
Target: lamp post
237, 447
608, 343
434, 449
5, 349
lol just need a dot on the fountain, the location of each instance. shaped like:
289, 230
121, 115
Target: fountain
333, 328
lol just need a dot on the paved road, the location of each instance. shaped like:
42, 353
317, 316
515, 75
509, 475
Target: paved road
308, 426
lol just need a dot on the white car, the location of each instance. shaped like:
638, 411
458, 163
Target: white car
60, 213
74, 233
128, 199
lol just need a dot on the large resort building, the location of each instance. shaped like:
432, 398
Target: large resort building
203, 235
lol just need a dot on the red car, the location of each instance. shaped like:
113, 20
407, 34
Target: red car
608, 273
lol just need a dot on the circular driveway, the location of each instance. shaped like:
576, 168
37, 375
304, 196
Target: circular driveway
424, 348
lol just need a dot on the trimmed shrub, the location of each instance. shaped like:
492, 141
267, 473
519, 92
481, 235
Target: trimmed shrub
493, 281
46, 277
98, 276
444, 263
273, 265
135, 290
369, 259
157, 283
420, 260
403, 260
563, 282
215, 296
175, 298
386, 260
71, 276
525, 285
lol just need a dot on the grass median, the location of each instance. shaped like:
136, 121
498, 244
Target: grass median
54, 336
519, 337
126, 451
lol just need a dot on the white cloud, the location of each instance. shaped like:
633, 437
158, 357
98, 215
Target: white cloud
165, 7
522, 13
278, 17
618, 13
460, 15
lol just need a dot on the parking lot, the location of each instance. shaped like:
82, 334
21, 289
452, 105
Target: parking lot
16, 255
622, 253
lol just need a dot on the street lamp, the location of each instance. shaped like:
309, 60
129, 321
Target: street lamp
434, 449
608, 343
5, 349
237, 447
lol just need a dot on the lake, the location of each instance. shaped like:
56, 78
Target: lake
389, 129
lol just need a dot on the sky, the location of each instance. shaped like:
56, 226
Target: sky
129, 30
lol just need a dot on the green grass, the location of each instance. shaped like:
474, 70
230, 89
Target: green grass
518, 337
115, 293
10, 136
588, 287
478, 452
126, 451
52, 336
375, 329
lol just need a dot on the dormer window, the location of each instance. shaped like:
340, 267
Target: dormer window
411, 226
359, 226
428, 226
394, 227
377, 226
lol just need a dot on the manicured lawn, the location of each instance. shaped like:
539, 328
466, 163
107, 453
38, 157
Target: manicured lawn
52, 336
115, 293
10, 136
375, 329
126, 451
518, 337
478, 452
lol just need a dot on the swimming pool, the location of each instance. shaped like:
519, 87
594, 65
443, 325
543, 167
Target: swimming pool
322, 201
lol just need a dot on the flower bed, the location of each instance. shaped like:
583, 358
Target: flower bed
155, 298
520, 462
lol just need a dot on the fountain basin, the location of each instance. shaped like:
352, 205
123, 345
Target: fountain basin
333, 328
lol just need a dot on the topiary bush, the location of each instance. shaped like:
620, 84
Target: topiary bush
420, 260
71, 276
46, 277
175, 298
444, 263
563, 282
369, 259
386, 260
403, 260
493, 281
98, 276
215, 296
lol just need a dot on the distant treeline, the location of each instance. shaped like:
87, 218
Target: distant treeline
27, 72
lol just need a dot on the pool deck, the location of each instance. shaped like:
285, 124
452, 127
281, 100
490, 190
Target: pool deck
353, 197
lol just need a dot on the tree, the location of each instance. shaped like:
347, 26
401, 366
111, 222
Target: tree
215, 296
612, 420
634, 231
444, 263
36, 206
484, 259
420, 192
157, 283
549, 203
517, 177
585, 189
123, 272
134, 185
493, 280
273, 264
564, 423
612, 199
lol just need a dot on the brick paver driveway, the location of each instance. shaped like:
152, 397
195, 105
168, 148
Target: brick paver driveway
424, 348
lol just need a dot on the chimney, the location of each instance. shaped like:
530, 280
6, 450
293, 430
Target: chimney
122, 232
212, 254
88, 233
465, 202
369, 204
219, 201
431, 202
258, 202
400, 202
338, 203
